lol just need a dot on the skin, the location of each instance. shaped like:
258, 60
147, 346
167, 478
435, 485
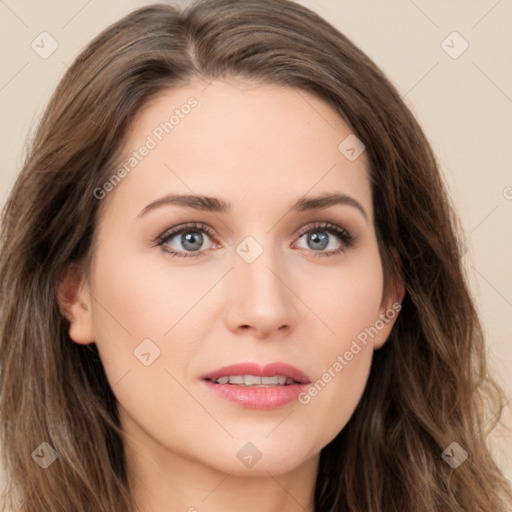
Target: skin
261, 148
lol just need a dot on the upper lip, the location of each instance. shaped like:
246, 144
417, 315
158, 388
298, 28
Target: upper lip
267, 370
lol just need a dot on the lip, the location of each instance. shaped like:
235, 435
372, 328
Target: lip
267, 370
270, 397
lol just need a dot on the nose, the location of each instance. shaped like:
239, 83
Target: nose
260, 296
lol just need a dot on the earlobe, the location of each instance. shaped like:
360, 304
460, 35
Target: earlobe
390, 307
399, 286
75, 304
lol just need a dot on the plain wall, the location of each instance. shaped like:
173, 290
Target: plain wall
463, 102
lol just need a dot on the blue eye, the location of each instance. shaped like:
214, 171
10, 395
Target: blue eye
319, 239
192, 239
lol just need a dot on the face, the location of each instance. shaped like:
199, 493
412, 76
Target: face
262, 275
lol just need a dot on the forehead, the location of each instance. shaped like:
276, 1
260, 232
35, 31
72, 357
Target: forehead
244, 141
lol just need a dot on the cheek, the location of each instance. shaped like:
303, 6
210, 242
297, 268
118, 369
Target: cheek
144, 318
349, 307
332, 398
345, 298
141, 298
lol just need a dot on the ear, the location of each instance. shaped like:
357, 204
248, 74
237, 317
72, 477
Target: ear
75, 303
390, 306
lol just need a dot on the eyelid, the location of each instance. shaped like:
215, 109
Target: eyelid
322, 225
198, 226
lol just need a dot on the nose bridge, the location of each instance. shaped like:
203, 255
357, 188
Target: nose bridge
259, 294
257, 263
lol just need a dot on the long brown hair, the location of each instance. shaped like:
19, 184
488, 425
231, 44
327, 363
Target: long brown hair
429, 385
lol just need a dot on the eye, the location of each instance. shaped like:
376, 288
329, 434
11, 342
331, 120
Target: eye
191, 239
319, 237
187, 240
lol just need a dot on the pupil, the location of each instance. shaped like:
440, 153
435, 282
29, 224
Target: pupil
189, 238
322, 238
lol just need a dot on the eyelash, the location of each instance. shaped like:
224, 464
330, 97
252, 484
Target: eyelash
347, 239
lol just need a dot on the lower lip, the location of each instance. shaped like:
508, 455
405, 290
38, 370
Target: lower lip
270, 397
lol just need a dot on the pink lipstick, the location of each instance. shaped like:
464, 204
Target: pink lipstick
254, 386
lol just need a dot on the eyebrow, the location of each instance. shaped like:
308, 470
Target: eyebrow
216, 205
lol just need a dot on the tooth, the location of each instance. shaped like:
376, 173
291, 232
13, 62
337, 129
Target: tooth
236, 379
251, 380
255, 381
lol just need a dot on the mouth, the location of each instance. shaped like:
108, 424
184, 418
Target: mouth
253, 386
254, 381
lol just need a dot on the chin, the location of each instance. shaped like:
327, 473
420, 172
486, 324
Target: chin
261, 457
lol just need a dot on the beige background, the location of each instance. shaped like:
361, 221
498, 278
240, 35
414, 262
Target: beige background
464, 105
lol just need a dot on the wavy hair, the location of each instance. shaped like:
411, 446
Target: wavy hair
429, 385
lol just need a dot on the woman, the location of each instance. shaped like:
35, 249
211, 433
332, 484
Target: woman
231, 278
